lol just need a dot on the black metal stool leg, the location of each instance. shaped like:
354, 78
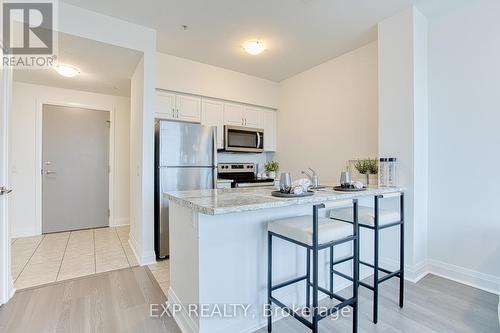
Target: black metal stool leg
315, 271
355, 275
308, 280
401, 253
375, 262
269, 280
331, 271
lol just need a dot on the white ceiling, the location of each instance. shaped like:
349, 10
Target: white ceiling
299, 33
104, 68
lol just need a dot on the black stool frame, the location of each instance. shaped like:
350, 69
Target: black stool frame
399, 273
315, 248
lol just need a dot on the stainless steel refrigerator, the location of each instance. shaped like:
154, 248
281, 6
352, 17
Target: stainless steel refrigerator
185, 159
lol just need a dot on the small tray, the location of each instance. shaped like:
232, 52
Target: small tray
343, 189
291, 195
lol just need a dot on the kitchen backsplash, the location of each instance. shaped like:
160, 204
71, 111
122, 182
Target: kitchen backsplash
258, 159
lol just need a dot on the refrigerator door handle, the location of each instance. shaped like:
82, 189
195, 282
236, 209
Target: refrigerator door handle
214, 157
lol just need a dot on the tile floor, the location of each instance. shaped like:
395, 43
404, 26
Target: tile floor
161, 272
66, 255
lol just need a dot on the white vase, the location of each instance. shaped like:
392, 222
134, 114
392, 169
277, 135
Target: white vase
271, 174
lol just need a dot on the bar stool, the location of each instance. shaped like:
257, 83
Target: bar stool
315, 234
378, 219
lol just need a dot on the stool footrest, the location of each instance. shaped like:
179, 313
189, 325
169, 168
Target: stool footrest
322, 315
342, 275
389, 276
291, 312
380, 268
289, 282
337, 307
339, 261
327, 292
383, 279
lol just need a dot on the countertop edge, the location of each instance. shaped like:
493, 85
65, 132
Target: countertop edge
277, 203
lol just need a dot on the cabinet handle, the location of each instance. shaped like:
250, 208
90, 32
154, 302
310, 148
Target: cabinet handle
173, 113
177, 113
242, 121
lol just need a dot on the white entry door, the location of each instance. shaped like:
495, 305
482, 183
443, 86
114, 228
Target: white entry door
75, 157
5, 275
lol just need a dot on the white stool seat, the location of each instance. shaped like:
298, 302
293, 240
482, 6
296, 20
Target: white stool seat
300, 229
366, 215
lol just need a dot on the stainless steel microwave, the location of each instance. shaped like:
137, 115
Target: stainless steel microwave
243, 139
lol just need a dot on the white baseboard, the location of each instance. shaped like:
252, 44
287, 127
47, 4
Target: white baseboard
412, 273
486, 282
119, 222
185, 323
28, 232
144, 259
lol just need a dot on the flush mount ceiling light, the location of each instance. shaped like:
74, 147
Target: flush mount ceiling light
254, 47
67, 70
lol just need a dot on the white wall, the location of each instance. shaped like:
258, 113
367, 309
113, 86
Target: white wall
84, 23
403, 128
464, 86
328, 115
183, 75
24, 167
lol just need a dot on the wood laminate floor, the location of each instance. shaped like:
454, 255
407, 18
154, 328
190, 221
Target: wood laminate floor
119, 301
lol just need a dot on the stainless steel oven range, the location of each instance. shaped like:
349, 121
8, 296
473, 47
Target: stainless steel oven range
242, 175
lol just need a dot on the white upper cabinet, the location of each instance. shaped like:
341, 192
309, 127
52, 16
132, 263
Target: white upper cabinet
242, 115
252, 117
188, 108
212, 112
180, 107
269, 125
165, 105
233, 114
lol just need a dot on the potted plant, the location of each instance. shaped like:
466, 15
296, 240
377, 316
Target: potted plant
367, 167
272, 168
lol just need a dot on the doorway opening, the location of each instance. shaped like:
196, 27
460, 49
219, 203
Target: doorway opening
70, 165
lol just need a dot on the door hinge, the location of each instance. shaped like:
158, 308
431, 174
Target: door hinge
109, 212
109, 168
109, 123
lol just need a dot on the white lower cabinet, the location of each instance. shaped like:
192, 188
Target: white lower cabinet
213, 115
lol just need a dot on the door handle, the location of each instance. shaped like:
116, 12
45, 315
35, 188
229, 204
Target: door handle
4, 190
50, 172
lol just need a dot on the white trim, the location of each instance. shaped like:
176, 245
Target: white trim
119, 222
469, 277
148, 259
38, 153
185, 322
7, 289
412, 273
486, 282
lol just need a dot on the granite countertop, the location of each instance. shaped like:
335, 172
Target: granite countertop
234, 200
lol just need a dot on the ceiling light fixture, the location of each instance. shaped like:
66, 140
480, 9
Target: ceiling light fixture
67, 70
254, 47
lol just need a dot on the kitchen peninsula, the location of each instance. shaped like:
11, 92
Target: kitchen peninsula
218, 251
